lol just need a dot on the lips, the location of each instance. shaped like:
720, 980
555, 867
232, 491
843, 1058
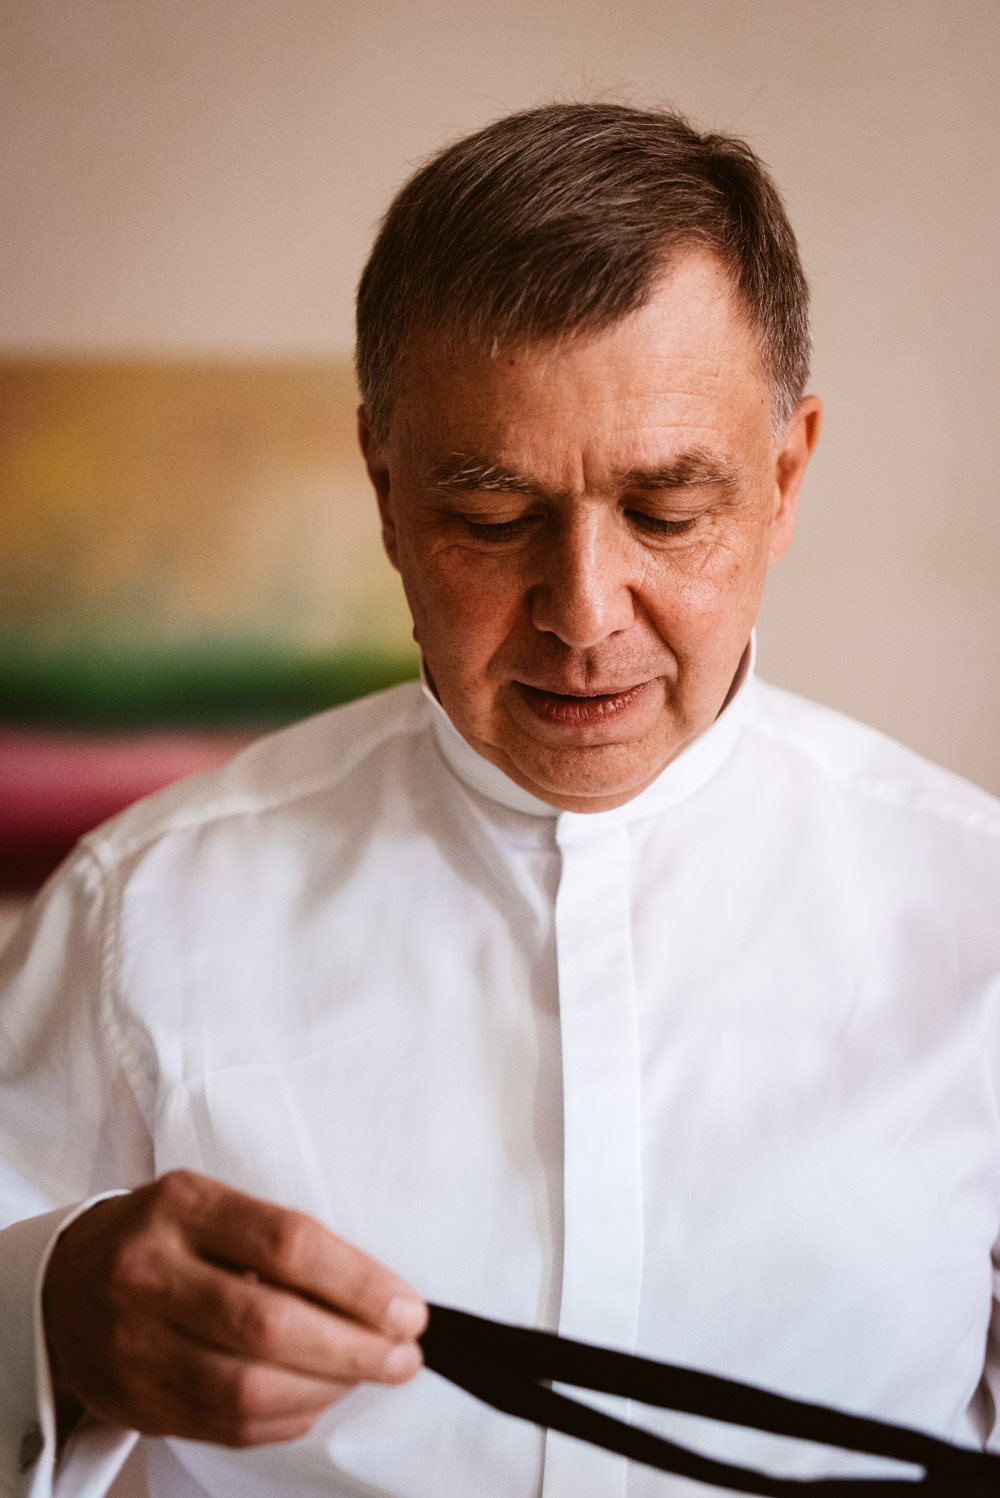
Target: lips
582, 709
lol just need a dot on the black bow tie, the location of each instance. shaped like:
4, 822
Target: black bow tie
509, 1367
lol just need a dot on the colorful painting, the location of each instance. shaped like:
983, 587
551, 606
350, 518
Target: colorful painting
189, 553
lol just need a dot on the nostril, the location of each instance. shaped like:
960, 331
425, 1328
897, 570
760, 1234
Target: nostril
582, 615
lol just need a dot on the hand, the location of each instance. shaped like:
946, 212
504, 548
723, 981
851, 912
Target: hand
189, 1309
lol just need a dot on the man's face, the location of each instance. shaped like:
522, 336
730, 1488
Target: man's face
583, 531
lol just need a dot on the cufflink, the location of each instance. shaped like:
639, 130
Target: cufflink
31, 1447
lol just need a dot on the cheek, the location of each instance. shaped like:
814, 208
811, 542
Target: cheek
464, 603
707, 596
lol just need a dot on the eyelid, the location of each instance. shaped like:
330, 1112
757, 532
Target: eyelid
499, 509
666, 525
496, 530
494, 515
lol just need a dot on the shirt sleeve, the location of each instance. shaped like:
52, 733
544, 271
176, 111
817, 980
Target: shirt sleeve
71, 1132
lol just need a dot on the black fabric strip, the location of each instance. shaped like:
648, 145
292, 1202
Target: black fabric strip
508, 1367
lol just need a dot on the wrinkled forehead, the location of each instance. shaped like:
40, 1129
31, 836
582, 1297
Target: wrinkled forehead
683, 370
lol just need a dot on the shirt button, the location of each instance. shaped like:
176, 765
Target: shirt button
31, 1447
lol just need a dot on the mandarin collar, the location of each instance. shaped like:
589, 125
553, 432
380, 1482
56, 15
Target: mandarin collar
679, 779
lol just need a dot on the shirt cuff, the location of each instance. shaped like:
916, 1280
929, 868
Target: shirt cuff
95, 1452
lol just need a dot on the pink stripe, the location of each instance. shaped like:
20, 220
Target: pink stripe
55, 787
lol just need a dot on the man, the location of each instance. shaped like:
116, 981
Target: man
589, 984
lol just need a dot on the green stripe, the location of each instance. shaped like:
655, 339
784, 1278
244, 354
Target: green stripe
217, 687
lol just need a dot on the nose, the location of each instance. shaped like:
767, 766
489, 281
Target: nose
583, 594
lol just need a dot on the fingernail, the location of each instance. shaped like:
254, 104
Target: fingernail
403, 1361
406, 1315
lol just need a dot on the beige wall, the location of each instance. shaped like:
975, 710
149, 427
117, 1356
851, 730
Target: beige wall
203, 175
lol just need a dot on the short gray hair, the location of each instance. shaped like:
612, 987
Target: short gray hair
560, 220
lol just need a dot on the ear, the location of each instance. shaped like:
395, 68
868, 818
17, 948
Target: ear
796, 448
377, 465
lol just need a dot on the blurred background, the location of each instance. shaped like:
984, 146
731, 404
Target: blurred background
188, 552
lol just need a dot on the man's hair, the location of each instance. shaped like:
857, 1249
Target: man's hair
561, 220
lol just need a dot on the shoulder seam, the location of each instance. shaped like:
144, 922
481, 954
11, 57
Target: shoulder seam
887, 792
106, 1005
236, 803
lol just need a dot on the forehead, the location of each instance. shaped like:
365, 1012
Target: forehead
684, 369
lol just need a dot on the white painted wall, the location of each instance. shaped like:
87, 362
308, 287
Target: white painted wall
203, 176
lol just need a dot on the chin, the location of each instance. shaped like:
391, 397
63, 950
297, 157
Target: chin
608, 773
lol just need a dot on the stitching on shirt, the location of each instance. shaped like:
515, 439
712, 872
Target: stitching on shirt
888, 792
139, 1081
237, 803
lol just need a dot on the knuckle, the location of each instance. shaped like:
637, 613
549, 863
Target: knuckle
359, 1362
247, 1395
124, 1348
133, 1269
364, 1284
292, 1236
227, 1428
261, 1325
176, 1191
370, 1284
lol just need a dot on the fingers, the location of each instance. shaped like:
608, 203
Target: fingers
294, 1250
263, 1322
188, 1308
199, 1393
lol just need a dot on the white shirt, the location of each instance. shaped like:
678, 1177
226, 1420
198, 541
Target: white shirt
713, 1076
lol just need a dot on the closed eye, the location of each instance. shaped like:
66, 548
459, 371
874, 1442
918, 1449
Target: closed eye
501, 530
656, 526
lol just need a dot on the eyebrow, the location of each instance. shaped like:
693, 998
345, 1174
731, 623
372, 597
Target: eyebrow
683, 472
463, 472
469, 473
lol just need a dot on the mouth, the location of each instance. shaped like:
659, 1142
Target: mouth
583, 709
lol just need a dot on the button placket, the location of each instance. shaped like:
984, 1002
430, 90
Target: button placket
603, 1230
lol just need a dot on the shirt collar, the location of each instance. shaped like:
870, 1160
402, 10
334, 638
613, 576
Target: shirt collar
681, 778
